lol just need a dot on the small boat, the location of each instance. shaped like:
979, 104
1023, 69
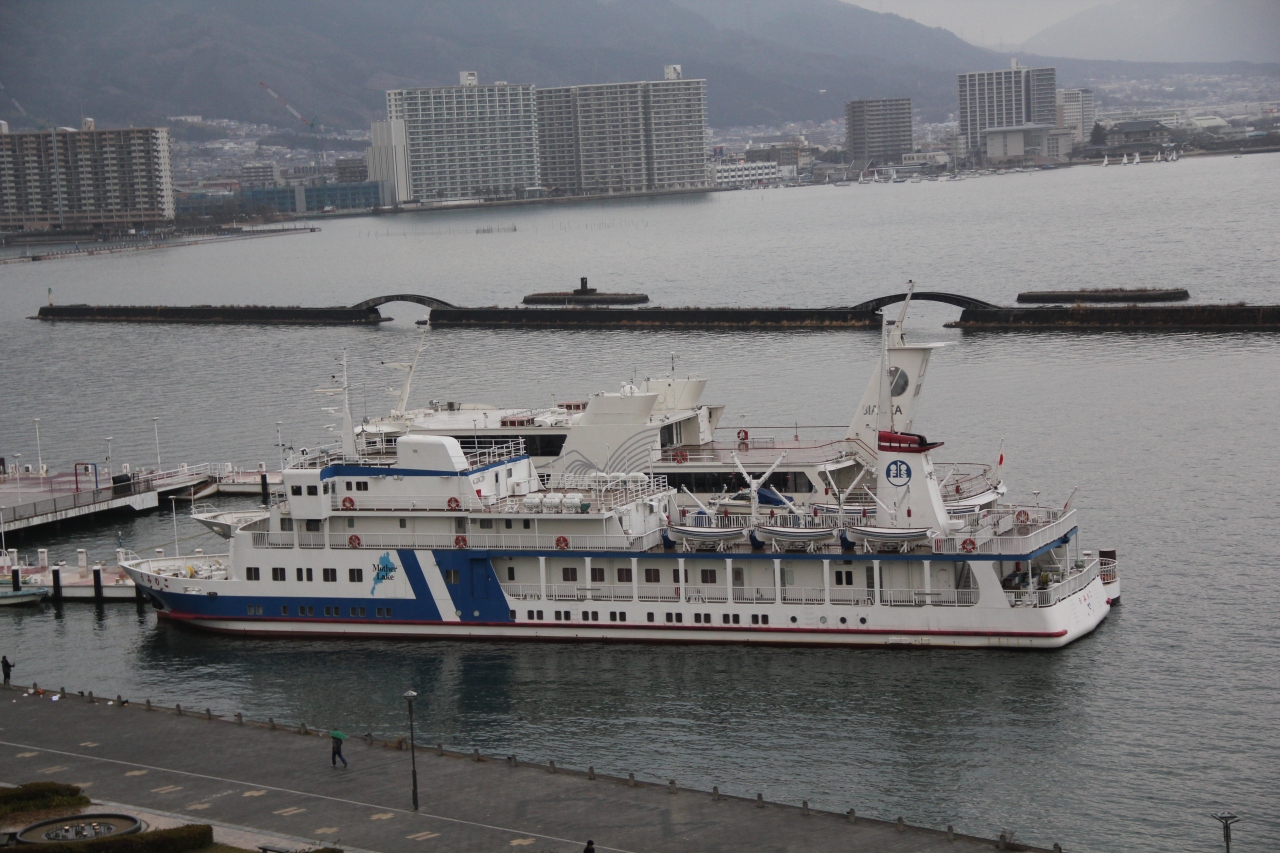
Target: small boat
1104, 159
1126, 160
899, 180
1137, 158
26, 595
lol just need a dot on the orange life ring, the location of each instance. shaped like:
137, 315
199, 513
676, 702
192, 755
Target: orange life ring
562, 543
1022, 516
680, 457
348, 503
968, 546
743, 435
459, 541
454, 503
353, 541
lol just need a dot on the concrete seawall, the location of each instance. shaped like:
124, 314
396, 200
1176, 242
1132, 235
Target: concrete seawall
259, 776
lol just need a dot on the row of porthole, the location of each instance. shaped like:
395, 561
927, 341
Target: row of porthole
698, 618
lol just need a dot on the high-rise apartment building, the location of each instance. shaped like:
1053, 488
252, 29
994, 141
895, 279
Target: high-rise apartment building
88, 178
468, 141
878, 130
1076, 111
623, 137
1011, 98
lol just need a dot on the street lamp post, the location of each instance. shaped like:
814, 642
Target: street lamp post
173, 504
108, 459
39, 453
155, 423
1226, 819
409, 696
19, 473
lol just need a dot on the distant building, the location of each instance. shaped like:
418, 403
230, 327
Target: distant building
388, 161
784, 155
926, 158
468, 141
1027, 144
1012, 98
1137, 134
1169, 118
744, 174
260, 175
623, 137
878, 130
1076, 110
351, 170
64, 178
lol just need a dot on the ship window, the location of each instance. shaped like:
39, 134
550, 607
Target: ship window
362, 487
597, 574
404, 523
898, 381
351, 522
871, 577
755, 618
251, 573
451, 576
706, 617
622, 617
539, 614
486, 524
513, 615
570, 574
530, 615
378, 612
764, 618
613, 616
675, 576
725, 620
670, 618
388, 612
313, 525
624, 576
284, 610
299, 574
324, 487
697, 617
507, 523
735, 619
250, 610
709, 576
649, 617
348, 485
679, 617
313, 490
511, 573
330, 575
652, 576
527, 524
279, 573
286, 524
557, 615
355, 575
295, 490
793, 620
839, 578
309, 578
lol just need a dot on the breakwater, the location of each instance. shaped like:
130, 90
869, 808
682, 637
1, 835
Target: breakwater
660, 318
1146, 294
282, 315
1128, 317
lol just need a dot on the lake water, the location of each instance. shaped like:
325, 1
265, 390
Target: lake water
1126, 740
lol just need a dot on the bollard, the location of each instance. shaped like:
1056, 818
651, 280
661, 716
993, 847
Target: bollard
208, 713
475, 755
1000, 842
271, 723
57, 584
179, 707
97, 584
92, 701
902, 825
715, 792
119, 701
148, 704
64, 693
804, 808
631, 780
16, 576
671, 786
1057, 848
759, 801
302, 729
853, 816
400, 744
591, 772
439, 749
951, 833
551, 768
239, 719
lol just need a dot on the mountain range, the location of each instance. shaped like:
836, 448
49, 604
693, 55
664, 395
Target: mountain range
766, 61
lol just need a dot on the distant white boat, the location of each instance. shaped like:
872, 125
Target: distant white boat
1137, 158
1126, 160
1156, 159
1173, 156
1104, 159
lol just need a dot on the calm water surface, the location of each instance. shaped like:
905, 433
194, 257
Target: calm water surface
1123, 741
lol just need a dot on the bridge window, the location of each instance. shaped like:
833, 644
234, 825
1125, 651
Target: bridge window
330, 575
313, 490
362, 487
295, 490
279, 573
252, 573
355, 575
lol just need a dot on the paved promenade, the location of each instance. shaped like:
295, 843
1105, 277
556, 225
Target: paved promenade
280, 782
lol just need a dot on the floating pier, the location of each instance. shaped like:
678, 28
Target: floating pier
31, 499
61, 582
221, 768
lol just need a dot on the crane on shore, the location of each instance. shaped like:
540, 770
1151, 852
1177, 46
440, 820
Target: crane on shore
313, 123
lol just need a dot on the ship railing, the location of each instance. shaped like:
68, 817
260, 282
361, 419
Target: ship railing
723, 520
802, 452
163, 480
1040, 527
496, 453
959, 480
523, 591
611, 490
491, 541
565, 592
652, 592
803, 595
904, 597
310, 539
1051, 595
1107, 570
848, 595
954, 598
360, 501
273, 539
754, 594
706, 594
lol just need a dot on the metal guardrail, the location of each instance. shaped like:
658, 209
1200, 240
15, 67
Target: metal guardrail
1059, 591
482, 541
1043, 526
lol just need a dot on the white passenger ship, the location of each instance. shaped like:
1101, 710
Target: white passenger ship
431, 540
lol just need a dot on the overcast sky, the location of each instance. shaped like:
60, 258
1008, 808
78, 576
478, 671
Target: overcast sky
985, 22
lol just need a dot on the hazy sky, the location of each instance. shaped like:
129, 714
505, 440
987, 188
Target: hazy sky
985, 22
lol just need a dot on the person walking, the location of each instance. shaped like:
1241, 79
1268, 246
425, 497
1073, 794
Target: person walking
337, 737
590, 848
7, 667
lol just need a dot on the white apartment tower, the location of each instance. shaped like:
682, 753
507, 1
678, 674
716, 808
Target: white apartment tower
88, 178
1011, 98
1076, 111
466, 141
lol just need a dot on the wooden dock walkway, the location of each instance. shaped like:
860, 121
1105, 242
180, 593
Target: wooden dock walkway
248, 775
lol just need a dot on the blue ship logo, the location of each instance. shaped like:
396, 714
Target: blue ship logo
383, 570
898, 473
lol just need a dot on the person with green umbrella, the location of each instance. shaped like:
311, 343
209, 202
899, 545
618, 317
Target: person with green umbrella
338, 737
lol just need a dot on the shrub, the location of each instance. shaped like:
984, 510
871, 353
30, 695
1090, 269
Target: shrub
40, 795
